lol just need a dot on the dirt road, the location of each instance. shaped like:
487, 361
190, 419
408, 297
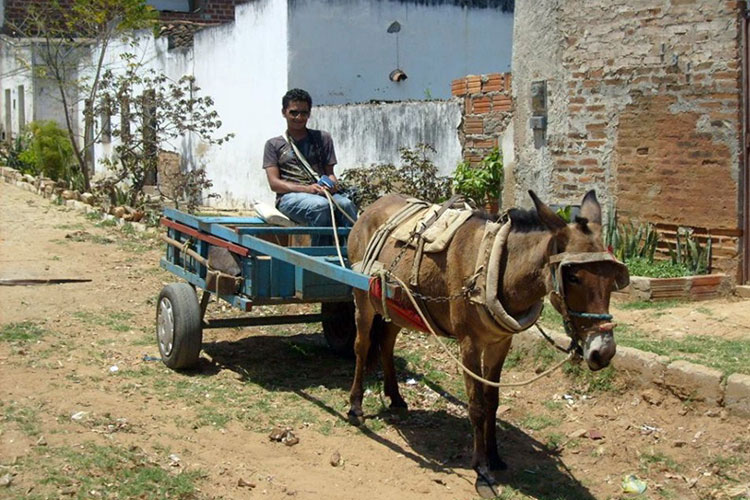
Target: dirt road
86, 411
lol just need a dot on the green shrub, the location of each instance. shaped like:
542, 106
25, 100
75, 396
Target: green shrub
417, 176
15, 154
50, 150
640, 266
482, 183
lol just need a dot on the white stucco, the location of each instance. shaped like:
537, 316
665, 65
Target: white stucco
367, 134
341, 52
15, 59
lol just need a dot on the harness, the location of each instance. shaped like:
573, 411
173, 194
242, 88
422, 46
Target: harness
482, 287
558, 263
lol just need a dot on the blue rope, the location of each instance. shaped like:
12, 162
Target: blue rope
590, 315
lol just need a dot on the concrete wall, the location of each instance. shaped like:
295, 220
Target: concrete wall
644, 105
15, 55
366, 134
341, 52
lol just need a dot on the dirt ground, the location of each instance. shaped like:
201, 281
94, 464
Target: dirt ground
87, 381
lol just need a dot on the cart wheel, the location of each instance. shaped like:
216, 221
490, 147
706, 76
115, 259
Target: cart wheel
178, 326
339, 327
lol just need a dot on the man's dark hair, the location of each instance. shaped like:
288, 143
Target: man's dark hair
295, 95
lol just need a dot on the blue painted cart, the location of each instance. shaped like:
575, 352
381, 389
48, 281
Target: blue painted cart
268, 272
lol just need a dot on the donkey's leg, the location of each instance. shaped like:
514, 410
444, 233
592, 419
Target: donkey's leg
494, 357
364, 318
471, 357
389, 371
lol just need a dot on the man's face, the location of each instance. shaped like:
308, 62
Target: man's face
296, 115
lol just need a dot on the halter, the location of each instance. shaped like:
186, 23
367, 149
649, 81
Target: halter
558, 263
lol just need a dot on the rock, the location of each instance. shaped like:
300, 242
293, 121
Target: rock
277, 434
6, 479
88, 198
119, 212
652, 397
69, 195
245, 484
335, 459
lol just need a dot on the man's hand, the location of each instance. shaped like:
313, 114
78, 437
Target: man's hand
316, 189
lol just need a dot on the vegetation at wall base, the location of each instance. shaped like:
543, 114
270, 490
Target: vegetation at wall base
481, 183
635, 244
417, 176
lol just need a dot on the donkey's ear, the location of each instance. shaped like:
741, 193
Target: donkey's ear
590, 208
548, 217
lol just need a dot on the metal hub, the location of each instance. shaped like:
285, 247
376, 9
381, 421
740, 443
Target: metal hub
165, 327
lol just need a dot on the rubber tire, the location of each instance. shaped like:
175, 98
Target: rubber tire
187, 331
341, 330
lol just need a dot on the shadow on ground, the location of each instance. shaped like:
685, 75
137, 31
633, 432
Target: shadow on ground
437, 440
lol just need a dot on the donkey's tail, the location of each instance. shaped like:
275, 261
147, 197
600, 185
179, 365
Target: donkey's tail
376, 339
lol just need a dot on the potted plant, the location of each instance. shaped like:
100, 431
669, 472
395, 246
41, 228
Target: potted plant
482, 183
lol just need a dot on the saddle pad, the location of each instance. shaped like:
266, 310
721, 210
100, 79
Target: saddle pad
439, 234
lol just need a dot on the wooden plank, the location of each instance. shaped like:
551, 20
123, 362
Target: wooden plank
237, 249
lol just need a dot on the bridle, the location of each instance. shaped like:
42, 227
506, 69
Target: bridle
558, 297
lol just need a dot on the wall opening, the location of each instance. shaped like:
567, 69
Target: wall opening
21, 109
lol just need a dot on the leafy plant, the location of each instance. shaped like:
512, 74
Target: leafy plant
50, 150
688, 252
154, 111
565, 212
481, 183
417, 176
15, 154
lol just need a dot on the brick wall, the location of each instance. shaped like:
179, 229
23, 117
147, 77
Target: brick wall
487, 110
646, 109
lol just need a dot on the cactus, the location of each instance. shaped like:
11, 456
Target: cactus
689, 252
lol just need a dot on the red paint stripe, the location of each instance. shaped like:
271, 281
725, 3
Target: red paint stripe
239, 250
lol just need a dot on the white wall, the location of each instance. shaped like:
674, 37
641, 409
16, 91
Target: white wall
243, 66
366, 134
341, 53
15, 55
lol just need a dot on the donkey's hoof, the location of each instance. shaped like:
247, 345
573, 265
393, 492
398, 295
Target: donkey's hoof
356, 418
398, 404
486, 486
497, 463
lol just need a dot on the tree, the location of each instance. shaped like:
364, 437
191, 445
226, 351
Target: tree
68, 32
154, 111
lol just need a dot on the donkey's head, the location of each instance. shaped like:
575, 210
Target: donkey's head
581, 279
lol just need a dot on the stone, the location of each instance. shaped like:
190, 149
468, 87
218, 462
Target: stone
690, 381
737, 394
69, 195
88, 198
644, 367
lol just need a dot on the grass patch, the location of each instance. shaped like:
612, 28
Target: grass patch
727, 356
23, 332
25, 418
110, 471
648, 460
538, 422
588, 381
638, 305
118, 321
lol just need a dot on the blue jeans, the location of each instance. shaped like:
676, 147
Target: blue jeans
313, 210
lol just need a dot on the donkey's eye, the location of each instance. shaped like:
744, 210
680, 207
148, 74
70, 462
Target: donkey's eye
573, 279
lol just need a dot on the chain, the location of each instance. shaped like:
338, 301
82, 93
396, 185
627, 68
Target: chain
465, 292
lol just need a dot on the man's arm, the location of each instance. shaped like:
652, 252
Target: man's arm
279, 185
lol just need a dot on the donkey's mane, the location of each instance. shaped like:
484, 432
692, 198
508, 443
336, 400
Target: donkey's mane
525, 221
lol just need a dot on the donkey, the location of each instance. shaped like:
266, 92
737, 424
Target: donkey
534, 238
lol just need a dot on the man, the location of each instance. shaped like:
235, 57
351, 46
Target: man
300, 191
